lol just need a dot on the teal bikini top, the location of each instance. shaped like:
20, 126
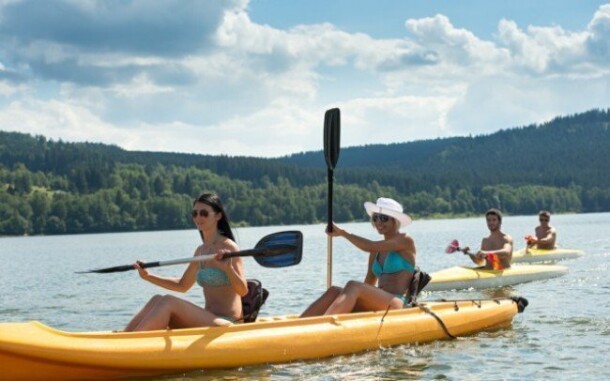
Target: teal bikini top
394, 263
212, 276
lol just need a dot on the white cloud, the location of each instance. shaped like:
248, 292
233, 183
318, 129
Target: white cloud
59, 120
394, 119
598, 41
455, 46
251, 89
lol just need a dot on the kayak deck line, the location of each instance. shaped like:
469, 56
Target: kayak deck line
33, 350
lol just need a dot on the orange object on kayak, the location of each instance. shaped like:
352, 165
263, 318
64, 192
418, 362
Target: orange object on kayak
494, 261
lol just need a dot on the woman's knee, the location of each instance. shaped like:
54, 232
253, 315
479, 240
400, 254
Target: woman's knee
166, 301
352, 286
334, 290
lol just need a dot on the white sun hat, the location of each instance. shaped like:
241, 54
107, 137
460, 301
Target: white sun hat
388, 207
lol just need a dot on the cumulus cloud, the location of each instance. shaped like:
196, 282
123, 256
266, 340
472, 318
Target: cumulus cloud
59, 120
98, 43
598, 41
123, 71
454, 45
165, 27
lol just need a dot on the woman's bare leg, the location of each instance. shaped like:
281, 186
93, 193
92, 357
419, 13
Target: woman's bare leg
180, 313
367, 297
321, 304
143, 312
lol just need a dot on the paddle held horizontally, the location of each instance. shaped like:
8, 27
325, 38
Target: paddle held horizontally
280, 249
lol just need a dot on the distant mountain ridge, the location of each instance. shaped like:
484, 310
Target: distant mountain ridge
567, 149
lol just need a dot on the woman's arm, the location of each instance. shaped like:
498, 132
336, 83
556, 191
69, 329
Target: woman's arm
370, 278
397, 243
234, 268
182, 284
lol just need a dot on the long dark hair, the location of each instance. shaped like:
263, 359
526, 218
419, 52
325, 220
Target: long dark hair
213, 201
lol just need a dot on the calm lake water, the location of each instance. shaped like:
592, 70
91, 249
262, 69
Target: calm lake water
563, 334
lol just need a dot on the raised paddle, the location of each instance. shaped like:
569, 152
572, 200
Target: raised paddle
332, 133
454, 246
280, 249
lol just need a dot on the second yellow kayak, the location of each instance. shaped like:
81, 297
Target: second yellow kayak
541, 255
464, 277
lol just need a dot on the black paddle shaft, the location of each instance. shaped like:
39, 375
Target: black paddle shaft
332, 134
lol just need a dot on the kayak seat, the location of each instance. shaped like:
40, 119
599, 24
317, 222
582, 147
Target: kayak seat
253, 300
418, 283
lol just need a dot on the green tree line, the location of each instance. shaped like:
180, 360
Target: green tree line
53, 187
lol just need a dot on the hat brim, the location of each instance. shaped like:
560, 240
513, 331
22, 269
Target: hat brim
403, 218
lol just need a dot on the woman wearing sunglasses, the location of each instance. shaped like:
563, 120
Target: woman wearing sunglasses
390, 270
223, 280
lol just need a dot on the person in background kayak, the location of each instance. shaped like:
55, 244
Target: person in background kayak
546, 236
497, 249
391, 265
222, 280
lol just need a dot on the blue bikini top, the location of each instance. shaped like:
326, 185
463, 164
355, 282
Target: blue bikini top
212, 276
394, 263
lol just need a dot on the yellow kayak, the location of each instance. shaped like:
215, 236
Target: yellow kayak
33, 351
541, 255
463, 277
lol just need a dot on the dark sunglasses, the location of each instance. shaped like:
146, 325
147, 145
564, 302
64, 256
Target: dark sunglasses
378, 217
544, 220
202, 213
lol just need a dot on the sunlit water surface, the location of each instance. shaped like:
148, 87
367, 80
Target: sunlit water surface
563, 334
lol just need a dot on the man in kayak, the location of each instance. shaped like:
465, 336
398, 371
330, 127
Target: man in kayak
497, 249
390, 270
546, 236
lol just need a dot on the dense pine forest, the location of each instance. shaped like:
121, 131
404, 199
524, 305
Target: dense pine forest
54, 187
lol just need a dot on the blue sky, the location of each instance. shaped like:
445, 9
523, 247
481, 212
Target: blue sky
254, 78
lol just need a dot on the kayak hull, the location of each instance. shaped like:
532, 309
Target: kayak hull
541, 255
30, 351
464, 277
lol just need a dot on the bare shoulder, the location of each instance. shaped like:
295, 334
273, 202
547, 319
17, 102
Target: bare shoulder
508, 238
404, 237
198, 250
229, 244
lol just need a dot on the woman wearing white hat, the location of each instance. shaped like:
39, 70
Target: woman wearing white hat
391, 265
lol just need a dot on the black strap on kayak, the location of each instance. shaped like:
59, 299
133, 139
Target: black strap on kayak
438, 319
381, 323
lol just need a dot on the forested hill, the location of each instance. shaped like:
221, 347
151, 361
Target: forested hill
568, 150
53, 187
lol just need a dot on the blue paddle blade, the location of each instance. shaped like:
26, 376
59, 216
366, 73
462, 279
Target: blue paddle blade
281, 249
